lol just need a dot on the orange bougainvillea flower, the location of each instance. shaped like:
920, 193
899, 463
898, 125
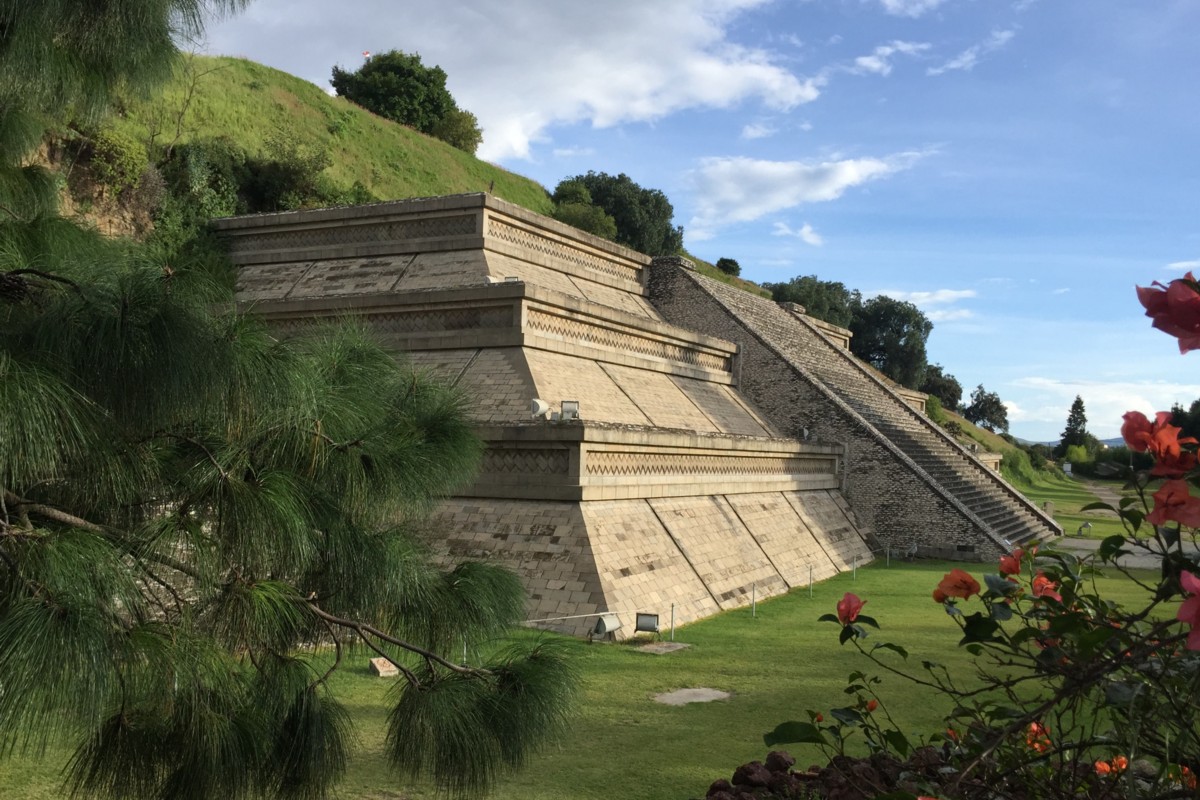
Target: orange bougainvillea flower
872, 705
956, 583
849, 607
1120, 763
1103, 767
1044, 587
1011, 564
1175, 309
1161, 439
1174, 502
1037, 738
1189, 610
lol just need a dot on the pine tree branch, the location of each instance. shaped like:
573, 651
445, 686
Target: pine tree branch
49, 512
364, 630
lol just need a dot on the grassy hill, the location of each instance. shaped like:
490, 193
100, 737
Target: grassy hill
252, 104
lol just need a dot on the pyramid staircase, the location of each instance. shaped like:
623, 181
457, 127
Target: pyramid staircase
999, 513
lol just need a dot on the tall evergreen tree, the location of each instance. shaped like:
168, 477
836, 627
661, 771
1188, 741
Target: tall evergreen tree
185, 500
1075, 434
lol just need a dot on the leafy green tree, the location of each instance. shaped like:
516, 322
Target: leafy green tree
643, 216
1188, 420
729, 266
942, 385
460, 129
830, 301
1076, 433
890, 335
986, 410
397, 86
573, 205
187, 503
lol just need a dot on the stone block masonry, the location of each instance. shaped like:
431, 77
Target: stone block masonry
673, 491
913, 486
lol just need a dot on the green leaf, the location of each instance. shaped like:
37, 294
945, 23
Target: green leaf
1001, 612
848, 633
1112, 547
895, 648
864, 619
1098, 506
794, 732
1000, 585
847, 715
828, 618
898, 742
979, 628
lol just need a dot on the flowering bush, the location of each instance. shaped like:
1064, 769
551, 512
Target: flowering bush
1074, 696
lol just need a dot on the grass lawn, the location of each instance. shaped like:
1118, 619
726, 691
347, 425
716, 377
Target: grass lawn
623, 744
1069, 495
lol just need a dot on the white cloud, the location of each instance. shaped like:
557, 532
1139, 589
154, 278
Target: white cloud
757, 130
806, 126
733, 189
1183, 265
909, 8
932, 303
967, 59
525, 66
937, 297
949, 314
806, 233
879, 62
1104, 402
573, 152
1060, 291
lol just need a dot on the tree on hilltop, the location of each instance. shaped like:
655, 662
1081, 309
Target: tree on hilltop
729, 266
829, 301
188, 503
890, 335
642, 216
397, 86
986, 410
942, 385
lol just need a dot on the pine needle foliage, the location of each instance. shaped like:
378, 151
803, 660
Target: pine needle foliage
189, 503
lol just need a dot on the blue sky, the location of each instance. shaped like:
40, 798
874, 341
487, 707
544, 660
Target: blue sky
1013, 167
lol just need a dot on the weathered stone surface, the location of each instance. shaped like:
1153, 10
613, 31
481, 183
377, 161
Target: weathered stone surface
673, 494
383, 668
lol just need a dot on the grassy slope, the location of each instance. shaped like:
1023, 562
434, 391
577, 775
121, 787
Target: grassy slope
251, 103
623, 744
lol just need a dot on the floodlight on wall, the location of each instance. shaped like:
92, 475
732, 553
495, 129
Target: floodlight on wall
539, 408
607, 623
511, 279
491, 279
646, 622
570, 410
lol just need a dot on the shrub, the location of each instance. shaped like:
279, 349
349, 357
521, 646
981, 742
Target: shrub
460, 129
118, 160
933, 410
1016, 467
729, 266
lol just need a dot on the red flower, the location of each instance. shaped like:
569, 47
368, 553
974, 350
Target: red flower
956, 583
1161, 439
1037, 738
1189, 611
1011, 564
1174, 502
1103, 767
1044, 587
848, 608
1120, 764
872, 705
819, 717
1135, 430
1175, 309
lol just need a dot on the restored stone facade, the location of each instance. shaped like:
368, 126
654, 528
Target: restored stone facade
674, 491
